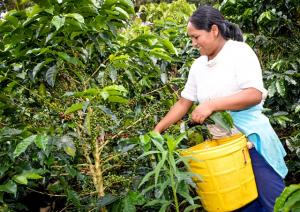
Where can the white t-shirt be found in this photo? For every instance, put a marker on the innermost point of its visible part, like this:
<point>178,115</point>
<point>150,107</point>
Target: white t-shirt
<point>235,68</point>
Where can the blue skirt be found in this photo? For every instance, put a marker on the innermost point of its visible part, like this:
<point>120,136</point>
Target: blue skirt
<point>269,185</point>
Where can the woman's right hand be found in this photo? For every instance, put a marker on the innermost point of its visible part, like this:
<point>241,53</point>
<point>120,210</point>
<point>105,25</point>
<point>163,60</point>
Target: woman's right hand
<point>178,110</point>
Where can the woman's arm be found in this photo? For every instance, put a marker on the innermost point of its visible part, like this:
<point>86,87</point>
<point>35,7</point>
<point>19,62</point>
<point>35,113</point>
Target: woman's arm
<point>179,109</point>
<point>239,101</point>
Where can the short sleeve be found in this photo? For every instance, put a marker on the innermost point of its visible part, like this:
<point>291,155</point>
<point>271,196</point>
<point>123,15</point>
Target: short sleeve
<point>248,70</point>
<point>190,89</point>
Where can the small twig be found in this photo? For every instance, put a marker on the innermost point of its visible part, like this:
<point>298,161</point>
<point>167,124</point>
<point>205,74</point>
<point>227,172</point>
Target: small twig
<point>110,158</point>
<point>153,91</point>
<point>97,69</point>
<point>122,131</point>
<point>114,166</point>
<point>64,208</point>
<point>44,193</point>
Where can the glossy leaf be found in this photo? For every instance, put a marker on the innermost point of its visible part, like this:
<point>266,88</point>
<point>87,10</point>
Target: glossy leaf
<point>51,75</point>
<point>280,86</point>
<point>74,107</point>
<point>41,141</point>
<point>292,201</point>
<point>282,199</point>
<point>23,145</point>
<point>9,187</point>
<point>72,60</point>
<point>68,145</point>
<point>58,22</point>
<point>76,16</point>
<point>222,119</point>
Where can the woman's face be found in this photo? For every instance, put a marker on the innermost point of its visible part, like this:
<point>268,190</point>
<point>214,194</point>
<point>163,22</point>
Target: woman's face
<point>205,41</point>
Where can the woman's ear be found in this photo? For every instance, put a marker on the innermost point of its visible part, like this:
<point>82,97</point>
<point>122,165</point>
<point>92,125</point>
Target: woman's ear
<point>215,30</point>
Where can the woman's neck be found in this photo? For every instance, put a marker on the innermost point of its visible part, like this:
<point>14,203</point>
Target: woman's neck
<point>221,42</point>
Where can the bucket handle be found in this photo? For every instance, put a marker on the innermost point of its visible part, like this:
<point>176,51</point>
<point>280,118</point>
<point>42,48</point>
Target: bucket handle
<point>245,159</point>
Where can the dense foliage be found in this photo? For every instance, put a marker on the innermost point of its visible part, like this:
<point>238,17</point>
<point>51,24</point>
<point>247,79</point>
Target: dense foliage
<point>83,81</point>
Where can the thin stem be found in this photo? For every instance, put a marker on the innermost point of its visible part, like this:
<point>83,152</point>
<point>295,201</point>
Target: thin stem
<point>174,189</point>
<point>51,195</point>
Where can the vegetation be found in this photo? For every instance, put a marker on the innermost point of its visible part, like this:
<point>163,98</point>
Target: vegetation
<point>83,82</point>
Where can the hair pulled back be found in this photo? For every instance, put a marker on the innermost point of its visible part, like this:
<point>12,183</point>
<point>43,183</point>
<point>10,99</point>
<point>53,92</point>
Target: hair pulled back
<point>206,16</point>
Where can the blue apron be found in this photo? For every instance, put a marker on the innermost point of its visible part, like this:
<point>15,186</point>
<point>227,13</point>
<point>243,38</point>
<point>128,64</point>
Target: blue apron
<point>257,128</point>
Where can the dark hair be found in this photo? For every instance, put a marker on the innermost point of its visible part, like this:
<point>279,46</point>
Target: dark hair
<point>205,16</point>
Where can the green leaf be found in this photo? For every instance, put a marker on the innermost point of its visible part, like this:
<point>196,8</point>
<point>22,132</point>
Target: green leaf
<point>291,201</point>
<point>158,202</point>
<point>222,119</point>
<point>41,141</point>
<point>68,145</point>
<point>74,198</point>
<point>136,198</point>
<point>91,92</point>
<point>160,165</point>
<point>148,153</point>
<point>180,138</point>
<point>128,3</point>
<point>280,87</point>
<point>156,136</point>
<point>51,75</point>
<point>31,11</point>
<point>21,179</point>
<point>70,150</point>
<point>8,132</point>
<point>170,142</point>
<point>192,208</point>
<point>183,190</point>
<point>164,77</point>
<point>58,22</point>
<point>113,73</point>
<point>172,163</point>
<point>287,192</point>
<point>158,145</point>
<point>297,108</point>
<point>122,13</point>
<point>264,17</point>
<point>32,175</point>
<point>22,146</point>
<point>49,37</point>
<point>9,187</point>
<point>12,20</point>
<point>37,68</point>
<point>272,89</point>
<point>169,46</point>
<point>76,16</point>
<point>118,99</point>
<point>161,54</point>
<point>72,60</point>
<point>114,93</point>
<point>108,112</point>
<point>74,107</point>
<point>146,178</point>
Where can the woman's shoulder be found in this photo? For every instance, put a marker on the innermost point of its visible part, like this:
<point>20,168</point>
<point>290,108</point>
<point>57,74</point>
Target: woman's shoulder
<point>239,47</point>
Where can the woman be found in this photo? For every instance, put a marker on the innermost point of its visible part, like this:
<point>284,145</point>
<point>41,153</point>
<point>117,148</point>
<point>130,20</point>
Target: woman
<point>228,76</point>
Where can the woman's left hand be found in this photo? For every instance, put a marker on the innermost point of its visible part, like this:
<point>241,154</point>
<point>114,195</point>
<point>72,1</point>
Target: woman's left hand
<point>201,112</point>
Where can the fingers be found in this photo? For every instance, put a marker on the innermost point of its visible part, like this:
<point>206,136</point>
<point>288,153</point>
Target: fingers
<point>198,118</point>
<point>249,145</point>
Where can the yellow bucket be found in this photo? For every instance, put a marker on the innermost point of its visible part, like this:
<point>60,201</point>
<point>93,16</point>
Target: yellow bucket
<point>228,181</point>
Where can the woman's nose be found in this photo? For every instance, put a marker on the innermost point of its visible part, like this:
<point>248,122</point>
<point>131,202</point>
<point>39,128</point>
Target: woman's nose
<point>194,42</point>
